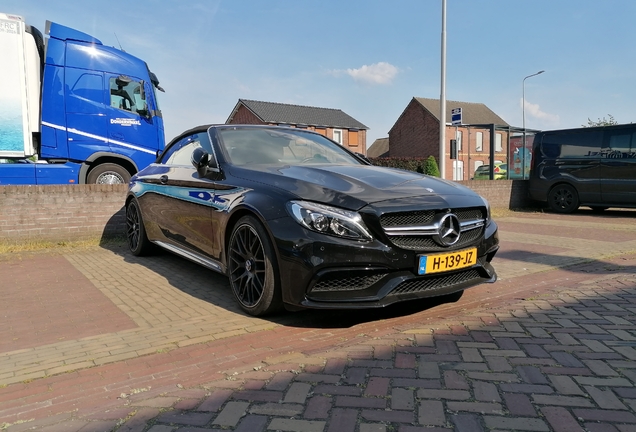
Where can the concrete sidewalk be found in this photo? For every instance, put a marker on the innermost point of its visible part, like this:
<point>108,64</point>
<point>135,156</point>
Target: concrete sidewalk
<point>99,340</point>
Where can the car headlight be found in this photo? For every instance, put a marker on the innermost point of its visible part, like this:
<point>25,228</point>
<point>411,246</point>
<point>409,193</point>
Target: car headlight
<point>329,220</point>
<point>487,204</point>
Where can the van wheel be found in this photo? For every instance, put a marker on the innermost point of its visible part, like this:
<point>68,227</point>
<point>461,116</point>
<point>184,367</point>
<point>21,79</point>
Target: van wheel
<point>563,199</point>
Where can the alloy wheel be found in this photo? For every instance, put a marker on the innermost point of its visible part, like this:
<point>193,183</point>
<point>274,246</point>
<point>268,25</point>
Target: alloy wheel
<point>133,229</point>
<point>247,265</point>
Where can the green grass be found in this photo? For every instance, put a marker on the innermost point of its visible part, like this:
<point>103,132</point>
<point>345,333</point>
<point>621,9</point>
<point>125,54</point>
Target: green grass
<point>32,245</point>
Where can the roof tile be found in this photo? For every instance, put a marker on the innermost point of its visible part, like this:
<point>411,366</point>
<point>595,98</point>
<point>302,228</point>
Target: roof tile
<point>279,113</point>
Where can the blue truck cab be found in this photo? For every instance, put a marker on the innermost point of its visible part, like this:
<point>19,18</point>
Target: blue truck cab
<point>97,117</point>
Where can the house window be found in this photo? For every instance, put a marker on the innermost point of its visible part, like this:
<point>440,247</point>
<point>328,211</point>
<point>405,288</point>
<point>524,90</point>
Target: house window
<point>458,136</point>
<point>337,136</point>
<point>498,143</point>
<point>479,142</point>
<point>458,170</point>
<point>353,138</point>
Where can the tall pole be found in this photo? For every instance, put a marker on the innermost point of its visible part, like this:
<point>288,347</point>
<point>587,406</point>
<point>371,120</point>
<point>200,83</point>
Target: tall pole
<point>523,111</point>
<point>442,100</point>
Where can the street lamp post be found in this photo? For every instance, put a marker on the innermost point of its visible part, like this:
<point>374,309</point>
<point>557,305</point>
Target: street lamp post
<point>523,110</point>
<point>442,99</point>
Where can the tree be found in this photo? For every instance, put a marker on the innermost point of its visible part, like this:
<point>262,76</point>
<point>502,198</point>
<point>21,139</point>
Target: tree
<point>601,122</point>
<point>431,167</point>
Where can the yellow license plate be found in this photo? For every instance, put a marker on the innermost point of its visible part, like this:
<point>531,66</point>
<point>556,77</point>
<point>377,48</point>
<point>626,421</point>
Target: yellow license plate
<point>447,261</point>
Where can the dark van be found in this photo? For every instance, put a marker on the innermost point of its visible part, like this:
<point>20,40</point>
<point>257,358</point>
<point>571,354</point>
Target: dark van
<point>592,166</point>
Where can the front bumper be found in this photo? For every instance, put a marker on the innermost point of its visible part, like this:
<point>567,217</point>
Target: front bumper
<point>324,272</point>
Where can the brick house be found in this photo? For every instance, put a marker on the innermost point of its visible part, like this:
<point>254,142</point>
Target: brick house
<point>333,123</point>
<point>416,134</point>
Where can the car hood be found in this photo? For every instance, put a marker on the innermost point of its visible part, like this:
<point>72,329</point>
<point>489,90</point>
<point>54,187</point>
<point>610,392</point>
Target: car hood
<point>352,186</point>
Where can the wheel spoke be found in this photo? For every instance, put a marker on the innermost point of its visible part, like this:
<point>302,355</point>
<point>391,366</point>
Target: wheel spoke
<point>132,222</point>
<point>242,246</point>
<point>247,266</point>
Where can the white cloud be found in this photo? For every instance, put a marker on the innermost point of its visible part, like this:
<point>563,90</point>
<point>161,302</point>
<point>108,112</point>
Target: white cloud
<point>378,73</point>
<point>533,110</point>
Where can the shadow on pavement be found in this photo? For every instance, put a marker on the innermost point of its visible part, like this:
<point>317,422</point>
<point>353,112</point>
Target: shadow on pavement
<point>208,286</point>
<point>214,288</point>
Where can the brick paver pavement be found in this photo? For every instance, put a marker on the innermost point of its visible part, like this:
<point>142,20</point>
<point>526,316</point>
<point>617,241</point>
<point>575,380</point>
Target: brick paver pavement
<point>101,341</point>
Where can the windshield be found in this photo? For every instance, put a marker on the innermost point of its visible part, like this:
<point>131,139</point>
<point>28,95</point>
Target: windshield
<point>247,146</point>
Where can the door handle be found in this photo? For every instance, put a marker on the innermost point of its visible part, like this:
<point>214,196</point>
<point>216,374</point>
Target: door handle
<point>163,179</point>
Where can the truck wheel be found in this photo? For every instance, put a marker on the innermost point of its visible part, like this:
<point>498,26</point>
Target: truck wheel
<point>563,198</point>
<point>108,173</point>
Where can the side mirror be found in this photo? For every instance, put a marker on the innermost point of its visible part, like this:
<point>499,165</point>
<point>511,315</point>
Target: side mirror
<point>200,160</point>
<point>203,163</point>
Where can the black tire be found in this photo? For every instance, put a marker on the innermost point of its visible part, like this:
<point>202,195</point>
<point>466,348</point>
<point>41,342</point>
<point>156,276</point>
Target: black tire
<point>252,269</point>
<point>138,242</point>
<point>563,199</point>
<point>108,173</point>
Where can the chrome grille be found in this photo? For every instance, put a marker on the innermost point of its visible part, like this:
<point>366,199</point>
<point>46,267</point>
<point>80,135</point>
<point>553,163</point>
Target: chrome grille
<point>416,230</point>
<point>468,214</point>
<point>427,243</point>
<point>430,283</point>
<point>407,218</point>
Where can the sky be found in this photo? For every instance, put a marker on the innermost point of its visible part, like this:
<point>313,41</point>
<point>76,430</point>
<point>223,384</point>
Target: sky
<point>369,58</point>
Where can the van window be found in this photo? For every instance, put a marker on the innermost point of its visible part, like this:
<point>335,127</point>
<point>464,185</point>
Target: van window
<point>620,142</point>
<point>572,145</point>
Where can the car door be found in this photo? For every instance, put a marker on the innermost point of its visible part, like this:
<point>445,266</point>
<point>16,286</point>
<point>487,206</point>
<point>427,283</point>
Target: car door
<point>177,206</point>
<point>618,167</point>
